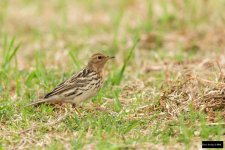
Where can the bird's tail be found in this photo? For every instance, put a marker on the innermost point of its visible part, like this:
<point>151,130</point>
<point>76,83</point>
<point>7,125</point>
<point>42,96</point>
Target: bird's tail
<point>37,102</point>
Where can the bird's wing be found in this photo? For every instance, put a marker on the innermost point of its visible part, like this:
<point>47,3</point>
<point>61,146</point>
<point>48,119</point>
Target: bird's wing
<point>73,84</point>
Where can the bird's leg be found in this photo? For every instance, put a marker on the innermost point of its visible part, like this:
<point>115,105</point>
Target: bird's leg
<point>74,106</point>
<point>97,107</point>
<point>57,105</point>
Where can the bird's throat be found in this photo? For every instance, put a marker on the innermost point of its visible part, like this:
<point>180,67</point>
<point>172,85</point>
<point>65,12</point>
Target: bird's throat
<point>98,69</point>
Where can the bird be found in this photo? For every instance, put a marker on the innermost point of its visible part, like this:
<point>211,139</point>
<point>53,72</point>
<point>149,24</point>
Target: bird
<point>80,86</point>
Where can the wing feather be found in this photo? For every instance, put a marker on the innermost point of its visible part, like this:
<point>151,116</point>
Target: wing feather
<point>79,79</point>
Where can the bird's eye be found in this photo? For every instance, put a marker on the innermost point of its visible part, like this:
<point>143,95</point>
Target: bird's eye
<point>99,57</point>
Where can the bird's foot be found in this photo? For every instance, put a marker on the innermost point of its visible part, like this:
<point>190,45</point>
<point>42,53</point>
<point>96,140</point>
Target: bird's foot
<point>98,107</point>
<point>77,111</point>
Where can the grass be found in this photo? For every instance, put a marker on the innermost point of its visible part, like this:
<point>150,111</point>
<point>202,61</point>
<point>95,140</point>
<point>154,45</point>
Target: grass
<point>164,90</point>
<point>9,52</point>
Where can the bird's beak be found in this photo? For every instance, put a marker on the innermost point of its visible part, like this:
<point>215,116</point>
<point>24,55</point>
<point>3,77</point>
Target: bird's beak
<point>111,57</point>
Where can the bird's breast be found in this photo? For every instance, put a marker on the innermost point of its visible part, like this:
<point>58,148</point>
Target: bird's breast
<point>89,91</point>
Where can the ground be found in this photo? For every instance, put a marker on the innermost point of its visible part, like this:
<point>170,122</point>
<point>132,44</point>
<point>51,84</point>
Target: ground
<point>164,90</point>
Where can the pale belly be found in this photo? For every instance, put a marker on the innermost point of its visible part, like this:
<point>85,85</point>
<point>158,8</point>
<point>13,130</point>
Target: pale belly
<point>84,96</point>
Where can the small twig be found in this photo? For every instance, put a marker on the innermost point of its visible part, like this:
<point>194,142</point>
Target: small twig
<point>218,64</point>
<point>167,73</point>
<point>213,124</point>
<point>208,81</point>
<point>207,124</point>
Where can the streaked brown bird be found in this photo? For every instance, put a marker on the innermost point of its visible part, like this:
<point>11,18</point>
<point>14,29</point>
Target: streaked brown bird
<point>81,86</point>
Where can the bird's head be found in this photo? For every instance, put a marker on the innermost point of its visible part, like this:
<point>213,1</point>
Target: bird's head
<point>97,61</point>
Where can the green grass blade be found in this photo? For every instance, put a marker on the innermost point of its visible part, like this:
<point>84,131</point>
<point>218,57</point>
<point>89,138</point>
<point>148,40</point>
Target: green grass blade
<point>9,51</point>
<point>4,46</point>
<point>74,59</point>
<point>117,104</point>
<point>130,54</point>
<point>13,53</point>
